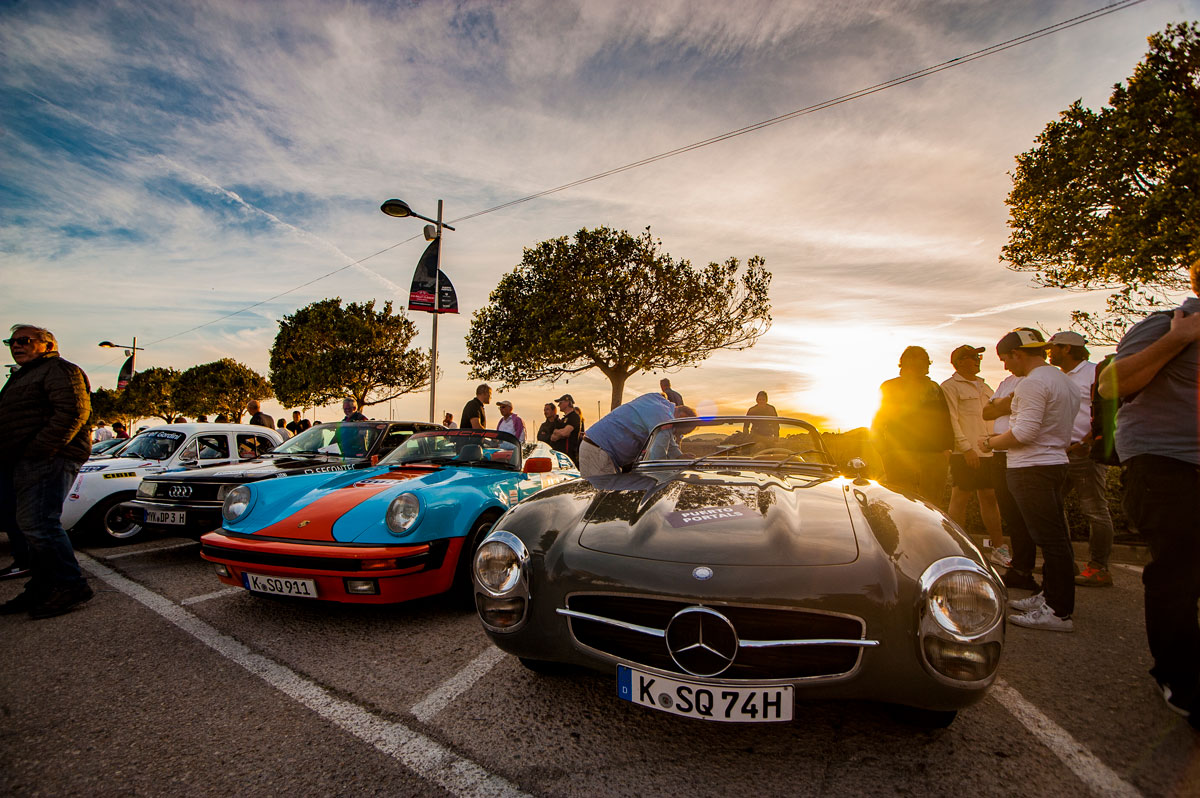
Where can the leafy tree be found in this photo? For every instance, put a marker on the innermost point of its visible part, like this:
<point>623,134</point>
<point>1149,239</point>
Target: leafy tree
<point>615,302</point>
<point>109,406</point>
<point>1111,199</point>
<point>326,351</point>
<point>151,393</point>
<point>223,386</point>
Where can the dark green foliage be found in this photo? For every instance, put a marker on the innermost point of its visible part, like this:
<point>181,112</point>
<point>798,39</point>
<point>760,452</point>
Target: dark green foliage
<point>151,393</point>
<point>223,386</point>
<point>615,302</point>
<point>1111,199</point>
<point>325,352</point>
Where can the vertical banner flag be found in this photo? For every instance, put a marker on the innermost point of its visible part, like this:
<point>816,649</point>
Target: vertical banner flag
<point>126,374</point>
<point>420,294</point>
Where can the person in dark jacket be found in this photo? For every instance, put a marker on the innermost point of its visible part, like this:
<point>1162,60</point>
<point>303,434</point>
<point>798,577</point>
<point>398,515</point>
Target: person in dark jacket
<point>257,416</point>
<point>912,430</point>
<point>44,408</point>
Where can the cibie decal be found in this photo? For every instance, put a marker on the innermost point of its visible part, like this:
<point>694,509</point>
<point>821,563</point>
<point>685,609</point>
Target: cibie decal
<point>707,515</point>
<point>120,475</point>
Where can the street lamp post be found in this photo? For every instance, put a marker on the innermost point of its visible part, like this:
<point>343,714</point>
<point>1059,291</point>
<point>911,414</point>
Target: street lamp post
<point>131,351</point>
<point>400,209</point>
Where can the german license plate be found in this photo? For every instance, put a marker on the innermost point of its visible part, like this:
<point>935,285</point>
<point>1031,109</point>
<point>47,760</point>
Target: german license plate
<point>761,704</point>
<point>280,586</point>
<point>166,516</point>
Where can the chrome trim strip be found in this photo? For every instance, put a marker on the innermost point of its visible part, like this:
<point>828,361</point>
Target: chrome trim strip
<point>649,630</point>
<point>633,627</point>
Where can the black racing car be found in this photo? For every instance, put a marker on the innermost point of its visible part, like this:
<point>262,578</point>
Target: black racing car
<point>188,503</point>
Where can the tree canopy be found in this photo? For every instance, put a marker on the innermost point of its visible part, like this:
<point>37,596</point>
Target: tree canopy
<point>108,406</point>
<point>151,393</point>
<point>1111,199</point>
<point>223,386</point>
<point>615,302</point>
<point>325,351</point>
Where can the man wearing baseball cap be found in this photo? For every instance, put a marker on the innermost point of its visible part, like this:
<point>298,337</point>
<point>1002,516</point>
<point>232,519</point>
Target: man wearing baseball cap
<point>1088,478</point>
<point>571,430</point>
<point>971,469</point>
<point>1043,413</point>
<point>510,422</point>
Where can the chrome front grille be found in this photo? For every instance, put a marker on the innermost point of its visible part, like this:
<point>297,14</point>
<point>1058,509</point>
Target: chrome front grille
<point>774,643</point>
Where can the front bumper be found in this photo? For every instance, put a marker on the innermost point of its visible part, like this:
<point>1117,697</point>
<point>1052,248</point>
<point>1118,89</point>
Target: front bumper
<point>400,573</point>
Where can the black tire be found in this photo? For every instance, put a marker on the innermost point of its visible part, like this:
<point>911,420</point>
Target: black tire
<point>107,529</point>
<point>462,590</point>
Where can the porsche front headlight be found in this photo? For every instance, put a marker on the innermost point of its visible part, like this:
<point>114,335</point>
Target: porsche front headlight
<point>965,603</point>
<point>402,513</point>
<point>237,502</point>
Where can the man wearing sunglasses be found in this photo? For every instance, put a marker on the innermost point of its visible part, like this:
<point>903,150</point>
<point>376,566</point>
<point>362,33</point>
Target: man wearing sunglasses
<point>44,408</point>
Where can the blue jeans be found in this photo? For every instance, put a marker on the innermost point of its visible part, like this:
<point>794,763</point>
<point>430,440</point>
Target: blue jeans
<point>31,500</point>
<point>1038,491</point>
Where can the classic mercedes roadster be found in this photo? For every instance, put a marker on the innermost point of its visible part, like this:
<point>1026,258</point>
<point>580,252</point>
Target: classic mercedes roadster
<point>734,571</point>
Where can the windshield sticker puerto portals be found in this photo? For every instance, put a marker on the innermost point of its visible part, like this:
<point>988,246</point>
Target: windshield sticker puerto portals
<point>706,515</point>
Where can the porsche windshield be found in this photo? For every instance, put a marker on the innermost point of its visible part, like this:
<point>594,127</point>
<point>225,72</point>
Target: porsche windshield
<point>458,447</point>
<point>153,444</point>
<point>352,440</point>
<point>766,442</point>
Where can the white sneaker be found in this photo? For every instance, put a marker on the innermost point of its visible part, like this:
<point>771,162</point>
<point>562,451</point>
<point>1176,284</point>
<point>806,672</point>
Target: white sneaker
<point>1001,556</point>
<point>1043,618</point>
<point>1034,602</point>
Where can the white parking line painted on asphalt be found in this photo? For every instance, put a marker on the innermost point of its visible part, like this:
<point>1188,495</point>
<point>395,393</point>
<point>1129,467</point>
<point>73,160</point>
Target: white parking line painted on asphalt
<point>457,684</point>
<point>229,591</point>
<point>422,755</point>
<point>1137,569</point>
<point>1099,777</point>
<point>150,551</point>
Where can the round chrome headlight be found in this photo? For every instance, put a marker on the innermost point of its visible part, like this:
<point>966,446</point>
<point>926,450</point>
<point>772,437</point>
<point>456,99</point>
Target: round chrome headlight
<point>237,502</point>
<point>497,566</point>
<point>402,513</point>
<point>965,603</point>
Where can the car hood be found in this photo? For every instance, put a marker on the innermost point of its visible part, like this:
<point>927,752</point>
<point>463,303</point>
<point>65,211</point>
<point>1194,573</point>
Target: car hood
<point>264,468</point>
<point>723,518</point>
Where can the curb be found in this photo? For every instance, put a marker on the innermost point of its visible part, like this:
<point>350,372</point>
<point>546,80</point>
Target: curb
<point>1122,553</point>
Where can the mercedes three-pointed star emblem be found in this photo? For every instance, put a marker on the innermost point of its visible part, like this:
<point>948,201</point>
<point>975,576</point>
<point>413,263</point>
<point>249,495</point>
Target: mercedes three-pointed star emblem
<point>702,641</point>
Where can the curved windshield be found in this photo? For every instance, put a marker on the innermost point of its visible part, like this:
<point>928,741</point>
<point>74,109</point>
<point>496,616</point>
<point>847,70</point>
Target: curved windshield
<point>101,447</point>
<point>458,448</point>
<point>153,444</point>
<point>341,439</point>
<point>740,441</point>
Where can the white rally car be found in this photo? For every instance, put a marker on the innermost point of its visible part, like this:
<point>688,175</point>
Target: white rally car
<point>93,504</point>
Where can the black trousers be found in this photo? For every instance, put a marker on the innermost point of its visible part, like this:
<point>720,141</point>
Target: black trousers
<point>1162,500</point>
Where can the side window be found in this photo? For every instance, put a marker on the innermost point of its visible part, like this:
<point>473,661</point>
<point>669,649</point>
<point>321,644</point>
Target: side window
<point>393,439</point>
<point>213,447</point>
<point>251,446</point>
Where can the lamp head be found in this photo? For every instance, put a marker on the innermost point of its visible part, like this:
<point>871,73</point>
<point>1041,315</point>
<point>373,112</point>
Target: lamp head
<point>108,344</point>
<point>397,208</point>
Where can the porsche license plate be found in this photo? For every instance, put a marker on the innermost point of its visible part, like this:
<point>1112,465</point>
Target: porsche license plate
<point>280,586</point>
<point>166,516</point>
<point>763,704</point>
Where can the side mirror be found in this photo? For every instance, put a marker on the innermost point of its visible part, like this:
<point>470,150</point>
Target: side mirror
<point>188,457</point>
<point>538,465</point>
<point>374,459</point>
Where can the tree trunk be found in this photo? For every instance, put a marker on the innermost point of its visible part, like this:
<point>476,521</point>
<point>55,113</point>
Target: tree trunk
<point>618,389</point>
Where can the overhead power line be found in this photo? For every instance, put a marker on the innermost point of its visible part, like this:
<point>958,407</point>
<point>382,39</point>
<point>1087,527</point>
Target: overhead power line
<point>809,109</point>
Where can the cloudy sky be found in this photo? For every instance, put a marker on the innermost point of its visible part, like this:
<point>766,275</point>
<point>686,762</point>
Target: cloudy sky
<point>166,166</point>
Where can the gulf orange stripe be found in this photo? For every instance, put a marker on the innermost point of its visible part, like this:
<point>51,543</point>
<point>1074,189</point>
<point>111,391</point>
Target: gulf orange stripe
<point>323,513</point>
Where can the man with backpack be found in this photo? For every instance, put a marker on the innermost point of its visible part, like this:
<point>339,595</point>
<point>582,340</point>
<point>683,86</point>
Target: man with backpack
<point>1157,373</point>
<point>1088,478</point>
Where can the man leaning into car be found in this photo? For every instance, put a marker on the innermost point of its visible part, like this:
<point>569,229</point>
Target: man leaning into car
<point>44,406</point>
<point>614,442</point>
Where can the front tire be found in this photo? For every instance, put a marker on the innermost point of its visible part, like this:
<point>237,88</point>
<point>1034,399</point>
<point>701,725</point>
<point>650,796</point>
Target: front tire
<point>463,590</point>
<point>111,530</point>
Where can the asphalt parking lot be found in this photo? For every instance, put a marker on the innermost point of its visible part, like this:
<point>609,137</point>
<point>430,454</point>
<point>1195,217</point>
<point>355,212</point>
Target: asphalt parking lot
<point>169,682</point>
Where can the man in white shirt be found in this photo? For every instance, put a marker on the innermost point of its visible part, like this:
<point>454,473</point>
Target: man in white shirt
<point>998,410</point>
<point>970,469</point>
<point>1043,413</point>
<point>1089,479</point>
<point>102,432</point>
<point>510,422</point>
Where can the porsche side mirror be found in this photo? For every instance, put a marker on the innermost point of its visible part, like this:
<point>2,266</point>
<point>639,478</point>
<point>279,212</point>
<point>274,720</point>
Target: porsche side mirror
<point>538,465</point>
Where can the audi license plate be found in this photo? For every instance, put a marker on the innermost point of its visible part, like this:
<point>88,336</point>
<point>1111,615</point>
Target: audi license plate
<point>166,516</point>
<point>280,586</point>
<point>763,704</point>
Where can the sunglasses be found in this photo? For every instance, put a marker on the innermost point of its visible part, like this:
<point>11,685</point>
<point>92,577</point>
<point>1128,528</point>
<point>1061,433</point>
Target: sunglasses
<point>22,340</point>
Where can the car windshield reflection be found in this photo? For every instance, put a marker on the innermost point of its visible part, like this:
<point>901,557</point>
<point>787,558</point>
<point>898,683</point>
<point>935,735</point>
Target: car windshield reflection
<point>487,448</point>
<point>153,445</point>
<point>352,440</point>
<point>741,441</point>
